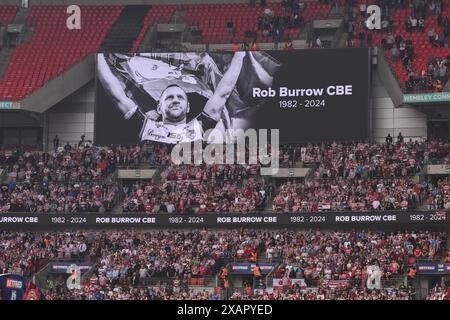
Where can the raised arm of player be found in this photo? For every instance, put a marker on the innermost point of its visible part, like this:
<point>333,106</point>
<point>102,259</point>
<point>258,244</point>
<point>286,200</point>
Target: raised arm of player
<point>216,103</point>
<point>113,86</point>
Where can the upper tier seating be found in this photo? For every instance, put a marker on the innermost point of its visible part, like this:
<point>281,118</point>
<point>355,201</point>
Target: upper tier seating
<point>53,47</point>
<point>212,19</point>
<point>421,44</point>
<point>158,14</point>
<point>7,14</point>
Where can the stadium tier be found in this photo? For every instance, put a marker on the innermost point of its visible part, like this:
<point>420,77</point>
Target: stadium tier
<point>7,14</point>
<point>226,23</point>
<point>168,265</point>
<point>53,49</point>
<point>408,33</point>
<point>358,177</point>
<point>158,14</point>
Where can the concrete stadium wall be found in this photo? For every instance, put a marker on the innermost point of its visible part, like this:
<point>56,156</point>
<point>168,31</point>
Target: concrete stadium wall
<point>19,118</point>
<point>387,119</point>
<point>72,117</point>
<point>386,74</point>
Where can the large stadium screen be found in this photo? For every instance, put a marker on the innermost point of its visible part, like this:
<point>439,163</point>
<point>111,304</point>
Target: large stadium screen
<point>309,95</point>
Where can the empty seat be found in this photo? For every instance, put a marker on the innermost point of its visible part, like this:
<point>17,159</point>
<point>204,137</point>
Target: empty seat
<point>53,47</point>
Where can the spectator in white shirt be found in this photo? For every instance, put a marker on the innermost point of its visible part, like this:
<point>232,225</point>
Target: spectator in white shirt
<point>421,25</point>
<point>170,207</point>
<point>318,42</point>
<point>376,204</point>
<point>384,24</point>
<point>363,9</point>
<point>413,23</point>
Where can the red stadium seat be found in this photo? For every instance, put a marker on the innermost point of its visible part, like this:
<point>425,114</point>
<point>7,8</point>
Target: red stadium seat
<point>54,48</point>
<point>422,47</point>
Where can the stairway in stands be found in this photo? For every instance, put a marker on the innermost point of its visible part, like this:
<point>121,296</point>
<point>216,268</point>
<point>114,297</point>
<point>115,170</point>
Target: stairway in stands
<point>127,27</point>
<point>21,16</point>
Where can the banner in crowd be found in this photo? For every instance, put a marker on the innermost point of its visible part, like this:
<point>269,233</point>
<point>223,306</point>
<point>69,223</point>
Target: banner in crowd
<point>309,95</point>
<point>30,221</point>
<point>433,268</point>
<point>247,267</point>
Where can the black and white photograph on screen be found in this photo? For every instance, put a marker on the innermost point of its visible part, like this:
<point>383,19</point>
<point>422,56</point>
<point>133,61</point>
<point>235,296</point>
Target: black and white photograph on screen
<point>176,97</point>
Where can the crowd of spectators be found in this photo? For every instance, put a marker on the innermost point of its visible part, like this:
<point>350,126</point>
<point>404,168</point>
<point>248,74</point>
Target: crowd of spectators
<point>400,41</point>
<point>65,165</point>
<point>349,195</point>
<point>364,177</point>
<point>162,264</point>
<point>432,78</point>
<point>81,162</point>
<point>91,292</point>
<point>70,178</point>
<point>439,293</point>
<point>364,159</point>
<point>48,197</point>
<point>24,253</point>
<point>200,189</point>
<point>355,176</point>
<point>328,293</point>
<point>317,255</point>
<point>67,180</point>
<point>107,292</point>
<point>273,25</point>
<point>439,195</point>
